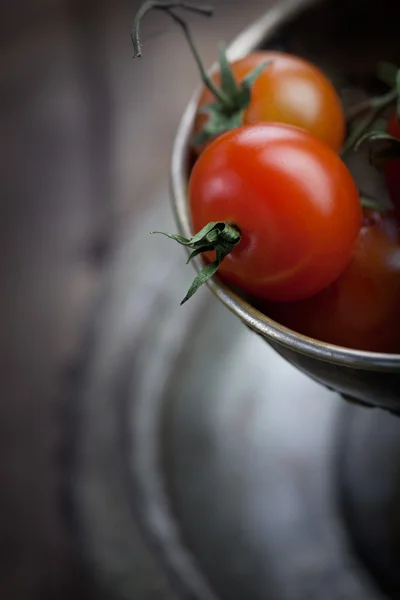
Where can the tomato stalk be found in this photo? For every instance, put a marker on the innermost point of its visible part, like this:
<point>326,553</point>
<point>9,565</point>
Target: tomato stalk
<point>368,202</point>
<point>217,235</point>
<point>167,6</point>
<point>389,149</point>
<point>373,108</point>
<point>231,98</point>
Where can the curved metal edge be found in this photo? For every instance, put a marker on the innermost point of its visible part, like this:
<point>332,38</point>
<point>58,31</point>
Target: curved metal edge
<point>247,41</point>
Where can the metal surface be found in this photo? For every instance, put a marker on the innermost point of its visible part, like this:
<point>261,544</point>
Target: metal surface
<point>373,378</point>
<point>197,434</point>
<point>368,477</point>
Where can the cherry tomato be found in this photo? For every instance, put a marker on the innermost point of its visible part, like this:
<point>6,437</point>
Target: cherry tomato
<point>392,167</point>
<point>361,309</point>
<point>290,90</point>
<point>293,200</point>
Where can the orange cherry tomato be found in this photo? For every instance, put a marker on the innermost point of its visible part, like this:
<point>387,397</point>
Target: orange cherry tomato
<point>293,200</point>
<point>361,309</point>
<point>290,90</point>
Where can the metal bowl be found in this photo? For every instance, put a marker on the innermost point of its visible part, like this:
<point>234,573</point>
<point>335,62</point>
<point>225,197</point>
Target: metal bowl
<point>336,35</point>
<point>224,469</point>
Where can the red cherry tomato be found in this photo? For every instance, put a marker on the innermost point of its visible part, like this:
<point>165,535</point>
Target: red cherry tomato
<point>361,309</point>
<point>290,90</point>
<point>392,167</point>
<point>293,200</point>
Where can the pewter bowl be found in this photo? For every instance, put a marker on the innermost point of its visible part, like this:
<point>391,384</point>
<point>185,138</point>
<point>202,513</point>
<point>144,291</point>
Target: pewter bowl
<point>346,39</point>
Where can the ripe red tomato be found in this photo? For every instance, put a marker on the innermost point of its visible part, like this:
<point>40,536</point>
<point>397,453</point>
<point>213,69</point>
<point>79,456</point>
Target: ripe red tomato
<point>293,200</point>
<point>361,309</point>
<point>392,167</point>
<point>289,90</point>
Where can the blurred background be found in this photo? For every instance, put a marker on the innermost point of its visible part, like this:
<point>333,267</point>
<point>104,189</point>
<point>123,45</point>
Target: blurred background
<point>85,144</point>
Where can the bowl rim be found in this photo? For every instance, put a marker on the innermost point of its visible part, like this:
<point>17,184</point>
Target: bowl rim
<point>249,40</point>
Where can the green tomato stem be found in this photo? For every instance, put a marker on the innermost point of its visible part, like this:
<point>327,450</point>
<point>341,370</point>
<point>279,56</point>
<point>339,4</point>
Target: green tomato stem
<point>216,235</point>
<point>231,98</point>
<point>168,7</point>
<point>374,107</point>
<point>367,202</point>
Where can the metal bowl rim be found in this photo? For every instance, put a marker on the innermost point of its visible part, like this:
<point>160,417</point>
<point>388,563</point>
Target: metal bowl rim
<point>249,40</point>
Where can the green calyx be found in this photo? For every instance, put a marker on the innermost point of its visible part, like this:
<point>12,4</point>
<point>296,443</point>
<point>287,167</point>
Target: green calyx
<point>226,112</point>
<point>231,98</point>
<point>365,116</point>
<point>217,235</point>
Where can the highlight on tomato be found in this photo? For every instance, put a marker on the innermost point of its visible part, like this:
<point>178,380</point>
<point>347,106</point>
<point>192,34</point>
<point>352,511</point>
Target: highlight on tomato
<point>360,309</point>
<point>277,212</point>
<point>264,86</point>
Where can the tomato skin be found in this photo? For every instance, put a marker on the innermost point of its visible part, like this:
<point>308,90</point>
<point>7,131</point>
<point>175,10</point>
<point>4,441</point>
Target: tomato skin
<point>392,167</point>
<point>361,309</point>
<point>290,90</point>
<point>294,201</point>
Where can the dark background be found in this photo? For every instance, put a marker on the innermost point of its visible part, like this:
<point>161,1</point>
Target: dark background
<point>85,141</point>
